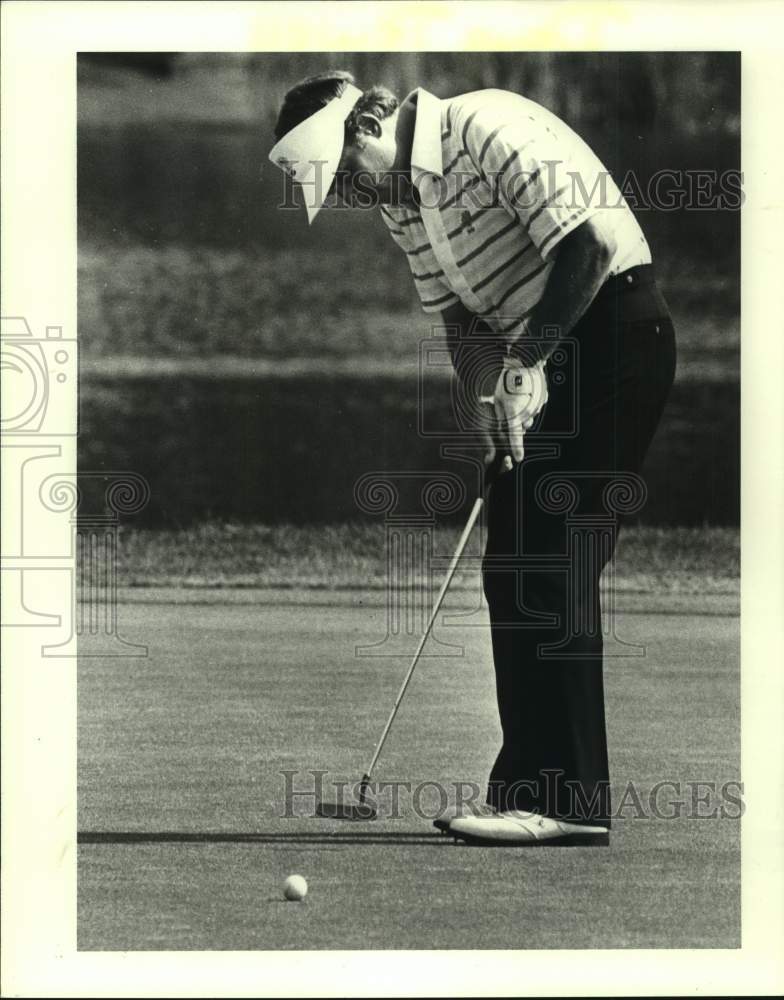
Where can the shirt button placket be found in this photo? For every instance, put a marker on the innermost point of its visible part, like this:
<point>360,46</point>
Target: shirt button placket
<point>434,226</point>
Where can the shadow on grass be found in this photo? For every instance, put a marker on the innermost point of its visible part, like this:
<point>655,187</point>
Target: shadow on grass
<point>321,837</point>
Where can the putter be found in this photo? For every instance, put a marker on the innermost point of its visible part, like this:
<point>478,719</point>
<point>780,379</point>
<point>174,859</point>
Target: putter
<point>363,810</point>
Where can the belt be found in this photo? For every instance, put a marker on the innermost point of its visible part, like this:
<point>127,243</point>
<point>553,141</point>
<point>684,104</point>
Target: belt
<point>641,276</point>
<point>619,298</point>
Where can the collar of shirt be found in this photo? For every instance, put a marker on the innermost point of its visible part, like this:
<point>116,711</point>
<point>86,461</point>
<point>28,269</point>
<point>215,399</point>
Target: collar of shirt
<point>426,151</point>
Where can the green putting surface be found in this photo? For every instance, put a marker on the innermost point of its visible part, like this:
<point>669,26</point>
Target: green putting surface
<point>184,841</point>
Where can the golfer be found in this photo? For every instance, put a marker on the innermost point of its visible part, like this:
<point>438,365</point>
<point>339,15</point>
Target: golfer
<point>517,236</point>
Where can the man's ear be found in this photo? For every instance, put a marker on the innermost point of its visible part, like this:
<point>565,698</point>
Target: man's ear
<point>369,124</point>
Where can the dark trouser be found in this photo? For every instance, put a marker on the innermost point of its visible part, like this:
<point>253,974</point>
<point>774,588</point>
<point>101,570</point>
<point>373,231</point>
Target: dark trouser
<point>548,543</point>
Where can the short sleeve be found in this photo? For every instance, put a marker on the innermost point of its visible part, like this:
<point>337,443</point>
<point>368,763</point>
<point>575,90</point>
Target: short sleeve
<point>542,174</point>
<point>431,286</point>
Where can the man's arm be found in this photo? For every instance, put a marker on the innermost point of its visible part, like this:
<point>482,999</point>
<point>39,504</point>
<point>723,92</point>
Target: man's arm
<point>579,271</point>
<point>477,352</point>
<point>477,358</point>
<point>458,321</point>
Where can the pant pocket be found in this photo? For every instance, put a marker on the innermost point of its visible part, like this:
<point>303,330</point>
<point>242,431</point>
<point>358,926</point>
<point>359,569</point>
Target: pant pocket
<point>652,344</point>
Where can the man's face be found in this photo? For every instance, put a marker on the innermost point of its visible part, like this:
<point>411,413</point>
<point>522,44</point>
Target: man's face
<point>367,163</point>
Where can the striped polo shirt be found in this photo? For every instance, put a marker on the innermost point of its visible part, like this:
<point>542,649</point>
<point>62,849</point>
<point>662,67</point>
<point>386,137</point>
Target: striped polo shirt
<point>500,182</point>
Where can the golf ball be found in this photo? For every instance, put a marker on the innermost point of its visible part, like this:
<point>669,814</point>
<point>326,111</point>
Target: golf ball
<point>295,887</point>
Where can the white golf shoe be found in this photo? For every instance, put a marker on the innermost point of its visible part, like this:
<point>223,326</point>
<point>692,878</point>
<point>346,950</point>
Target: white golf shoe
<point>472,809</point>
<point>524,829</point>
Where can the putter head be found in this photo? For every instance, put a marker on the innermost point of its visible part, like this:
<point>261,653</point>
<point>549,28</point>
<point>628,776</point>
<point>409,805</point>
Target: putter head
<point>351,811</point>
<point>361,810</point>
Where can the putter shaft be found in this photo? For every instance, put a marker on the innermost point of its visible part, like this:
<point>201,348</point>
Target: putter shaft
<point>475,510</point>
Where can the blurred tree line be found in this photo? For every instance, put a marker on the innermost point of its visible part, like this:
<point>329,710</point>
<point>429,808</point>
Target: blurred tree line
<point>685,91</point>
<point>689,92</point>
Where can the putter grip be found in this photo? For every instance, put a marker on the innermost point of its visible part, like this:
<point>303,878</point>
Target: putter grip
<point>497,467</point>
<point>494,470</point>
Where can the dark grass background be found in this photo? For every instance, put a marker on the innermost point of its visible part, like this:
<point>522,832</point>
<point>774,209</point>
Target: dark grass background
<point>279,450</point>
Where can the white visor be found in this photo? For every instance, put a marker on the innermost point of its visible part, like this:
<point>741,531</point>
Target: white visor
<point>310,153</point>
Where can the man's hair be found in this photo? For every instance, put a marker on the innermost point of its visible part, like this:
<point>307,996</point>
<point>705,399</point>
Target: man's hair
<point>314,93</point>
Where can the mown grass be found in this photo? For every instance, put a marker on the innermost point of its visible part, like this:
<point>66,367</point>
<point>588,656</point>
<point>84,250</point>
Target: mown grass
<point>200,302</point>
<point>203,302</point>
<point>650,560</point>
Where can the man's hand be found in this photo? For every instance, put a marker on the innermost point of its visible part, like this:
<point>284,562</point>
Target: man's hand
<point>487,426</point>
<point>496,456</point>
<point>519,395</point>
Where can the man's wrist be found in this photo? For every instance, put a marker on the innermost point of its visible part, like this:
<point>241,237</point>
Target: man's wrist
<point>527,350</point>
<point>530,346</point>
